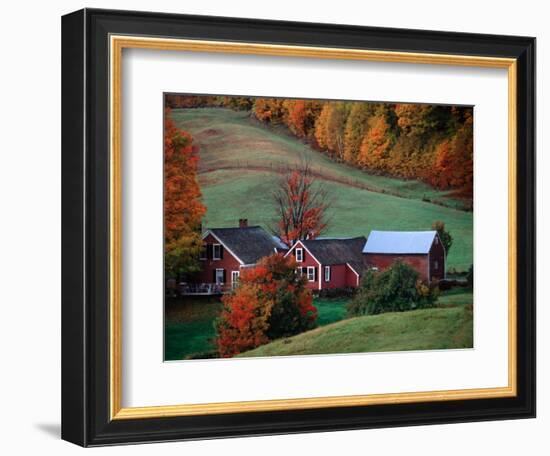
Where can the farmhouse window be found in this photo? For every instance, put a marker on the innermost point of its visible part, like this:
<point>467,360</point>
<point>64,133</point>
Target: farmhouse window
<point>299,255</point>
<point>219,276</point>
<point>235,278</point>
<point>436,265</point>
<point>311,273</point>
<point>327,273</point>
<point>217,252</point>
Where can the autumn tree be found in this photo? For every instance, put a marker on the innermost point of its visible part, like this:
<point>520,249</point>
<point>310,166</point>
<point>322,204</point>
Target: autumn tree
<point>454,161</point>
<point>296,116</point>
<point>269,110</point>
<point>300,116</point>
<point>330,127</point>
<point>432,143</point>
<point>237,103</point>
<point>271,301</point>
<point>444,235</point>
<point>301,205</point>
<point>321,127</point>
<point>424,120</point>
<point>376,145</point>
<point>336,125</point>
<point>183,209</point>
<point>356,127</point>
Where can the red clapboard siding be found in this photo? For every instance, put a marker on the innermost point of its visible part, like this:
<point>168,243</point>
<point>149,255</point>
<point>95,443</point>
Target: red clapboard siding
<point>308,261</point>
<point>337,277</point>
<point>383,261</point>
<point>228,263</point>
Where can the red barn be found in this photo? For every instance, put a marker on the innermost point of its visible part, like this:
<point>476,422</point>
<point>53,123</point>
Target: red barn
<point>226,251</point>
<point>422,250</point>
<point>330,263</point>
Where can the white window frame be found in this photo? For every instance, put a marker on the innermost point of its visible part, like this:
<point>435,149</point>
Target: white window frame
<point>235,275</point>
<point>328,272</point>
<point>221,282</point>
<point>312,270</point>
<point>299,271</point>
<point>301,251</point>
<point>214,257</point>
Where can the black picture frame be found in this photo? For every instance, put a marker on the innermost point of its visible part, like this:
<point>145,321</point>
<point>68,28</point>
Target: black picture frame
<point>85,224</point>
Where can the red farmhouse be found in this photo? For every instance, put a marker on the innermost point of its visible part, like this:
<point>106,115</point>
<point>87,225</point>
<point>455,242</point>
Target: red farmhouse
<point>327,263</point>
<point>330,263</point>
<point>226,251</point>
<point>422,250</point>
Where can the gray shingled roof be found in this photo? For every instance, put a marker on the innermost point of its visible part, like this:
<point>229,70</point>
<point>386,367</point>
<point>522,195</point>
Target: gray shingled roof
<point>393,242</point>
<point>249,243</point>
<point>338,251</point>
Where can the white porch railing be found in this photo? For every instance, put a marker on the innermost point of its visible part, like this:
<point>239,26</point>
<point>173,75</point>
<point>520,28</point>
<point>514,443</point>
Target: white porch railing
<point>186,289</point>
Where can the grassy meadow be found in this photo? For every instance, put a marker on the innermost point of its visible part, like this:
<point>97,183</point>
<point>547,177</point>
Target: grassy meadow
<point>189,328</point>
<point>240,162</point>
<point>426,329</point>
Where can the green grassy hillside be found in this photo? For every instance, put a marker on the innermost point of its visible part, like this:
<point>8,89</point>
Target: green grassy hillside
<point>189,324</point>
<point>427,329</point>
<point>241,161</point>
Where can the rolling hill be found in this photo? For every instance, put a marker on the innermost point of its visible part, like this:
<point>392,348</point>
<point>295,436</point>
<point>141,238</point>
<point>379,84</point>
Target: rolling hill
<point>427,329</point>
<point>241,161</point>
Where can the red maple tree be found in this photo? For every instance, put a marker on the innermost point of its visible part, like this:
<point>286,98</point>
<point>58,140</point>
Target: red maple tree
<point>271,301</point>
<point>183,208</point>
<point>301,205</point>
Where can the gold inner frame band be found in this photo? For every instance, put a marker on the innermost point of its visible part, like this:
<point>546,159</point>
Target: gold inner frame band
<point>117,44</point>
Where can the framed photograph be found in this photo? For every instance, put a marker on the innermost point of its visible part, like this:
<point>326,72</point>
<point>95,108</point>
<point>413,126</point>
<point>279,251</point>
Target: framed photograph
<point>278,227</point>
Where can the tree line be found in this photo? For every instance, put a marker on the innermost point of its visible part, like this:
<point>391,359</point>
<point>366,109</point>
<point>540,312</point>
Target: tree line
<point>431,143</point>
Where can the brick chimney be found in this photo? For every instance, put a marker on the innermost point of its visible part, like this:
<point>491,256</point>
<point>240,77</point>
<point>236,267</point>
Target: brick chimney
<point>243,223</point>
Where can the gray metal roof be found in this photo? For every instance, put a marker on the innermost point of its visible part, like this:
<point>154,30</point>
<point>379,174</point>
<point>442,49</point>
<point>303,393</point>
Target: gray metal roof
<point>249,243</point>
<point>280,244</point>
<point>412,242</point>
<point>336,251</point>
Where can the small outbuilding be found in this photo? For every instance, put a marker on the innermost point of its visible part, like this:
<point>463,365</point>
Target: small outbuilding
<point>422,250</point>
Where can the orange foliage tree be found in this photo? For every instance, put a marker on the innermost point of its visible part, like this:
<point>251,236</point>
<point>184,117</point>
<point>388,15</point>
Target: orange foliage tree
<point>269,110</point>
<point>321,127</point>
<point>454,161</point>
<point>356,128</point>
<point>376,145</point>
<point>330,127</point>
<point>433,143</point>
<point>300,116</point>
<point>183,209</point>
<point>271,301</point>
<point>301,206</point>
<point>296,116</point>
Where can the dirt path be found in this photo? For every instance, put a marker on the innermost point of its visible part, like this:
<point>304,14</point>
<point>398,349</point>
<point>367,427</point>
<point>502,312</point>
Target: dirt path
<point>281,169</point>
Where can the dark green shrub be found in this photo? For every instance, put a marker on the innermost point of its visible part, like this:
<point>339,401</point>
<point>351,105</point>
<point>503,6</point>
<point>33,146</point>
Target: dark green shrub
<point>346,292</point>
<point>397,289</point>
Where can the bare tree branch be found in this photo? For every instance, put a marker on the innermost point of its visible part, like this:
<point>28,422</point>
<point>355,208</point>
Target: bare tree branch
<point>301,205</point>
